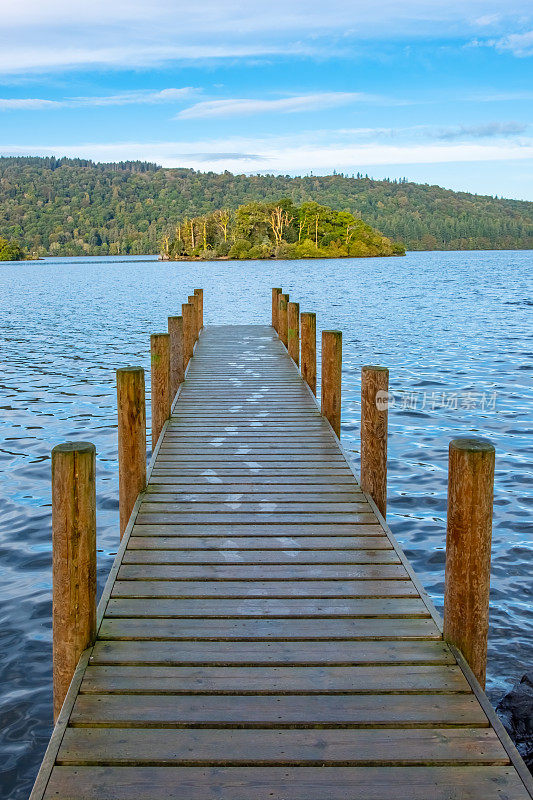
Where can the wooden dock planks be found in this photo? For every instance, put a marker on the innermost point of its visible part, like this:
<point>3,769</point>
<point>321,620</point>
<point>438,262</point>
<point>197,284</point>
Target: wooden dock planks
<point>262,635</point>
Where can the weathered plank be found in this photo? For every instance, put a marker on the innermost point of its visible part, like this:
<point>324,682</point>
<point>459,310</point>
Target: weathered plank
<point>260,557</point>
<point>343,746</point>
<point>369,711</point>
<point>287,588</point>
<point>253,543</point>
<point>273,680</point>
<point>273,653</point>
<point>293,783</point>
<point>266,607</point>
<point>250,572</point>
<point>272,628</point>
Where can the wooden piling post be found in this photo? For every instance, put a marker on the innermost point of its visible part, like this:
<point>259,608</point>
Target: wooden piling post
<point>283,322</point>
<point>374,424</point>
<point>131,439</point>
<point>200,294</point>
<point>308,346</point>
<point>193,300</point>
<point>293,332</point>
<point>275,302</point>
<point>74,560</point>
<point>468,544</point>
<point>160,357</point>
<point>187,310</point>
<point>175,330</point>
<point>331,378</point>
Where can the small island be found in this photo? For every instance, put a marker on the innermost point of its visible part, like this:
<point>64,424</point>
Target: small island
<point>276,230</point>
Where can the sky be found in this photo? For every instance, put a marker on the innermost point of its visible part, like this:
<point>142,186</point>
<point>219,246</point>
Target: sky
<point>437,91</point>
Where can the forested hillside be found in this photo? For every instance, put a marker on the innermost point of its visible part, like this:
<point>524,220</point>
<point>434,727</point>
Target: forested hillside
<point>74,207</point>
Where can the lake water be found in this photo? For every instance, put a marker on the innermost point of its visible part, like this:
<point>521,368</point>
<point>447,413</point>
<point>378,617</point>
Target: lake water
<point>453,329</point>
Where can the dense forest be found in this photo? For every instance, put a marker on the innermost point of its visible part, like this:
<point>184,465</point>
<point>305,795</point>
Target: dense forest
<point>10,251</point>
<point>277,230</point>
<point>75,207</point>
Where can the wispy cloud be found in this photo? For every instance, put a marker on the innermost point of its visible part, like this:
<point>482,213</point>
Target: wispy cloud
<point>27,104</point>
<point>66,34</point>
<point>488,130</point>
<point>233,107</point>
<point>135,97</point>
<point>319,152</point>
<point>503,97</point>
<point>518,44</point>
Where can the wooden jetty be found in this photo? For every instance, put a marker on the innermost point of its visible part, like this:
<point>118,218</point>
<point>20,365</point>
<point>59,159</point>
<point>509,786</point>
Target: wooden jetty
<point>261,635</point>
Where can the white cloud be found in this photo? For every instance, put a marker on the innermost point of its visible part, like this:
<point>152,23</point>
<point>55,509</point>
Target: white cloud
<point>139,97</point>
<point>27,103</point>
<point>285,105</point>
<point>483,131</point>
<point>519,44</point>
<point>62,34</point>
<point>294,155</point>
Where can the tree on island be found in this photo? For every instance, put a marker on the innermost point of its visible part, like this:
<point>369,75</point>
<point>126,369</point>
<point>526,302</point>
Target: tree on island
<point>10,251</point>
<point>276,230</point>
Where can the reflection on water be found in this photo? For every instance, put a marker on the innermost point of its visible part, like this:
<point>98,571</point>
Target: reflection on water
<point>452,327</point>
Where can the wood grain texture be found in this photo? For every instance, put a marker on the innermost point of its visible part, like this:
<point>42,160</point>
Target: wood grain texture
<point>342,746</point>
<point>200,295</point>
<point>283,322</point>
<point>293,332</point>
<point>374,416</point>
<point>331,378</point>
<point>308,348</point>
<point>160,386</point>
<point>275,300</point>
<point>131,411</point>
<point>175,330</point>
<point>468,546</point>
<point>293,783</point>
<point>74,560</point>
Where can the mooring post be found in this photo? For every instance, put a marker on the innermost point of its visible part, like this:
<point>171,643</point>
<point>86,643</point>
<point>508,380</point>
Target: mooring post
<point>283,322</point>
<point>131,410</point>
<point>160,357</point>
<point>193,300</point>
<point>308,346</point>
<point>293,331</point>
<point>187,310</point>
<point>73,559</point>
<point>374,424</point>
<point>275,303</point>
<point>200,295</point>
<point>175,330</point>
<point>331,378</point>
<point>468,544</point>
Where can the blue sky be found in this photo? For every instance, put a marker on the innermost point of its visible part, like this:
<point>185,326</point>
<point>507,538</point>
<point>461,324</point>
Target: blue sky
<point>439,92</point>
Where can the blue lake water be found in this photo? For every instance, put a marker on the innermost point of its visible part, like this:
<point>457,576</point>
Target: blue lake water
<point>453,328</point>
